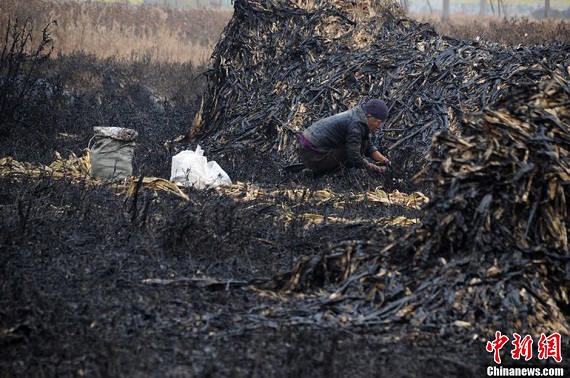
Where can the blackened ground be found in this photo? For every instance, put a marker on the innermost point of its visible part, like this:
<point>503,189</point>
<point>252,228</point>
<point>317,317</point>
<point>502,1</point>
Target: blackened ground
<point>96,284</point>
<point>75,301</point>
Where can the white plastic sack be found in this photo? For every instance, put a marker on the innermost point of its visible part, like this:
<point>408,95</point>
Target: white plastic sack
<point>191,168</point>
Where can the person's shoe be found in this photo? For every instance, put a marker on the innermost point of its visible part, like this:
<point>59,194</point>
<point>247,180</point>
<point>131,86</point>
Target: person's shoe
<point>294,168</point>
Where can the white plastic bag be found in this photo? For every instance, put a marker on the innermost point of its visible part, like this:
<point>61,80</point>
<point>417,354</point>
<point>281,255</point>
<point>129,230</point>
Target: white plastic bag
<point>191,168</point>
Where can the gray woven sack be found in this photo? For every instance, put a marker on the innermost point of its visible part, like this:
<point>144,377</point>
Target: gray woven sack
<point>112,150</point>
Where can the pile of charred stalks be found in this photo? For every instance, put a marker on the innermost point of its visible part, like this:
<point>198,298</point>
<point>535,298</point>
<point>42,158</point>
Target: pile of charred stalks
<point>486,125</point>
<point>491,250</point>
<point>279,66</point>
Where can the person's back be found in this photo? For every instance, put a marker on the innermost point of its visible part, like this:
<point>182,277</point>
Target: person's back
<point>332,131</point>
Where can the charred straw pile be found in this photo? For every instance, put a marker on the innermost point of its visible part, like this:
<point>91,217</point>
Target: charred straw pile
<point>280,65</point>
<point>491,250</point>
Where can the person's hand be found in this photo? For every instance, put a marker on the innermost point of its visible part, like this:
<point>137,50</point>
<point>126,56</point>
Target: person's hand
<point>376,168</point>
<point>388,163</point>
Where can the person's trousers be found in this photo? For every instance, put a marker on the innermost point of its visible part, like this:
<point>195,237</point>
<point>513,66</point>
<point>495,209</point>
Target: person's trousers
<point>322,162</point>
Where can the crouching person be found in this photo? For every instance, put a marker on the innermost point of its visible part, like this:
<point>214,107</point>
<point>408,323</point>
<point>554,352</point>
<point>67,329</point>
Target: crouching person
<point>343,140</point>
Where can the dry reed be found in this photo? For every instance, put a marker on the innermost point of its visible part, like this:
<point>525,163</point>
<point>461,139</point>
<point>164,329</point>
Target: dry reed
<point>509,31</point>
<point>125,32</point>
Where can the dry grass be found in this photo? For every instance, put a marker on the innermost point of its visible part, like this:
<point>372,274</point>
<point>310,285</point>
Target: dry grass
<point>125,32</point>
<point>512,31</point>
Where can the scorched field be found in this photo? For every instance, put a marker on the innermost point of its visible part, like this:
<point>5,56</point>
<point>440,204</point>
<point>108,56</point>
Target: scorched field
<point>420,272</point>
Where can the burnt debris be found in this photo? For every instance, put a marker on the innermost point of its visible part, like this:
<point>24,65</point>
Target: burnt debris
<point>486,125</point>
<point>280,66</point>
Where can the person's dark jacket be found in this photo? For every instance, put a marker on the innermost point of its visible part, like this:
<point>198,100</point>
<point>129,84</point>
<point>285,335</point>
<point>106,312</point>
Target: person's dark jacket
<point>349,129</point>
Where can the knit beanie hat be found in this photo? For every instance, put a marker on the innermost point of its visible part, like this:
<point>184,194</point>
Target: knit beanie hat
<point>376,108</point>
